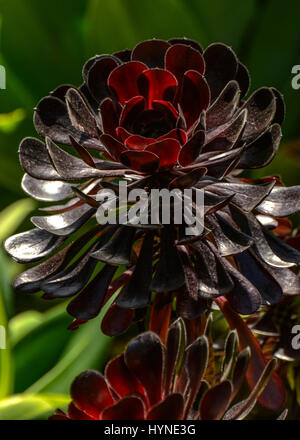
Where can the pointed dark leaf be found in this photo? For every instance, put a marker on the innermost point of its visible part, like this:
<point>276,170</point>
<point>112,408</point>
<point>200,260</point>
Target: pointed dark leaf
<point>83,153</point>
<point>228,135</point>
<point>192,149</point>
<point>30,280</point>
<point>213,278</point>
<point>274,394</point>
<point>246,196</point>
<point>77,169</point>
<point>191,280</point>
<point>88,303</point>
<point>196,361</point>
<point>224,107</point>
<point>267,286</point>
<point>282,249</point>
<point>244,297</point>
<point>280,108</point>
<point>242,409</point>
<point>169,274</point>
<point>160,315</point>
<point>230,240</point>
<point>261,152</point>
<point>252,227</point>
<point>137,292</point>
<point>240,370</point>
<point>51,120</point>
<point>281,202</point>
<point>231,348</point>
<point>221,165</point>
<point>189,308</point>
<point>80,114</point>
<point>173,344</point>
<point>70,281</point>
<point>261,108</point>
<point>118,249</point>
<point>215,401</point>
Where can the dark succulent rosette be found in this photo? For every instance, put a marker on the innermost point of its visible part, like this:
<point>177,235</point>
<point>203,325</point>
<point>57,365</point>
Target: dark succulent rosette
<point>153,381</point>
<point>165,115</point>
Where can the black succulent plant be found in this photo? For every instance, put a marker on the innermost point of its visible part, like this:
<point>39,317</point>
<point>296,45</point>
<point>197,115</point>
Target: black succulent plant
<point>165,115</point>
<point>163,384</point>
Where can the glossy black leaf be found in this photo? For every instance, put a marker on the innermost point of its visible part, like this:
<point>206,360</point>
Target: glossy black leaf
<point>66,223</point>
<point>30,280</point>
<point>46,190</point>
<point>144,356</point>
<point>230,240</point>
<point>245,195</point>
<point>224,107</point>
<point>35,160</point>
<point>136,294</point>
<point>213,277</point>
<point>261,152</point>
<point>70,281</point>
<point>281,202</point>
<point>261,108</point>
<point>88,303</point>
<point>80,114</point>
<point>32,246</point>
<point>267,286</point>
<point>169,273</point>
<point>118,249</point>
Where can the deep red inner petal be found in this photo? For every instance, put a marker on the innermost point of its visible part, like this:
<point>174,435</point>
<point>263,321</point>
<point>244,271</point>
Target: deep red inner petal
<point>167,151</point>
<point>157,84</point>
<point>123,80</point>
<point>138,142</point>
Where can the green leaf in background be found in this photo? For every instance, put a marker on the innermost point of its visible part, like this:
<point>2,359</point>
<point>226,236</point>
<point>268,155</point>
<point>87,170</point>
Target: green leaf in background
<point>31,407</point>
<point>86,349</point>
<point>14,215</point>
<point>6,376</point>
<point>10,219</point>
<point>40,348</point>
<point>218,20</point>
<point>47,356</point>
<point>43,44</point>
<point>274,42</point>
<point>10,121</point>
<point>118,24</point>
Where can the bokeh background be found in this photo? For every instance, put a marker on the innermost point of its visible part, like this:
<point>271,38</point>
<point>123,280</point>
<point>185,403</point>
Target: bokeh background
<point>44,44</point>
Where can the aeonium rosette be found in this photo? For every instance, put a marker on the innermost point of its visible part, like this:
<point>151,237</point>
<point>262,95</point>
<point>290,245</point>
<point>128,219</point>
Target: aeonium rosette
<point>178,380</point>
<point>165,115</point>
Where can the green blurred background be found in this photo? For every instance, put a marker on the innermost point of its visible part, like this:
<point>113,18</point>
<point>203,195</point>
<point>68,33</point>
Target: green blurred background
<point>44,44</point>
